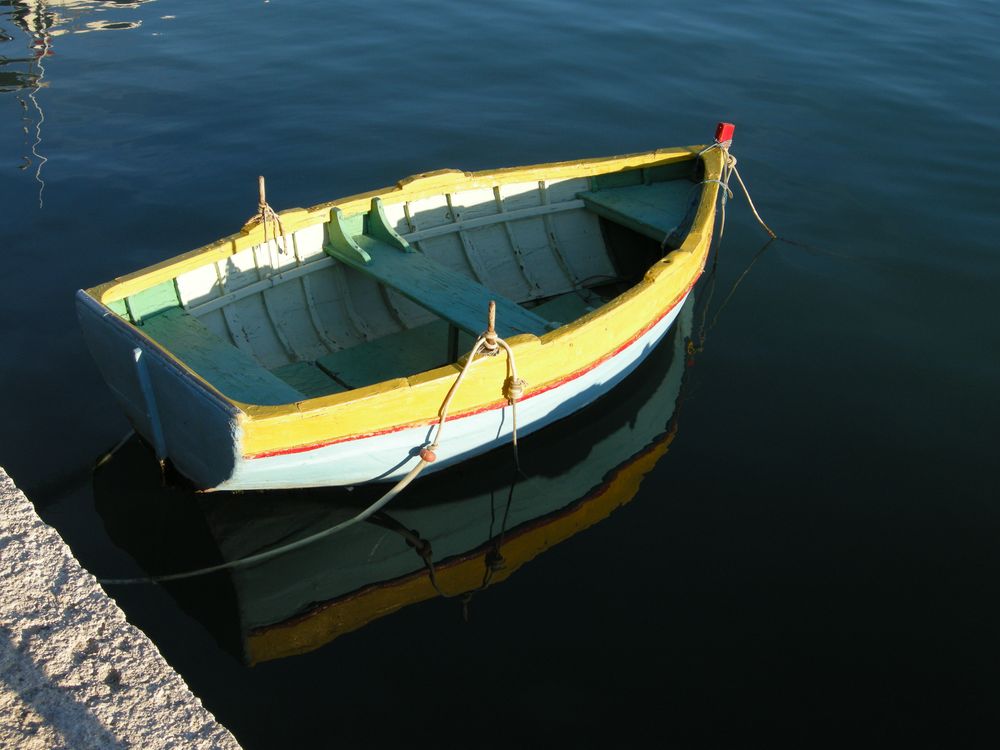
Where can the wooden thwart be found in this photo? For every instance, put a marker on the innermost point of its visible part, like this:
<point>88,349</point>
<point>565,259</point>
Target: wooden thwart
<point>656,210</point>
<point>232,371</point>
<point>385,256</point>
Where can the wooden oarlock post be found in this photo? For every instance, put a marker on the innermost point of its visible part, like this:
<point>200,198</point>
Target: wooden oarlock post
<point>490,346</point>
<point>265,214</point>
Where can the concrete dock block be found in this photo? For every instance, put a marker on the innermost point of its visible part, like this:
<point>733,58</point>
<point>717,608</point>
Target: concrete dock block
<point>73,672</point>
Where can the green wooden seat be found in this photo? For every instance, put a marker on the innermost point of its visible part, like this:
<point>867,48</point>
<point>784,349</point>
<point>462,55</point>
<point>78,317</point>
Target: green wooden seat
<point>385,256</point>
<point>656,210</point>
<point>231,371</point>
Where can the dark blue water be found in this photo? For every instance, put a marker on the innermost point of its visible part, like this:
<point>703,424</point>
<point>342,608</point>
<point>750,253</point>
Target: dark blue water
<point>816,555</point>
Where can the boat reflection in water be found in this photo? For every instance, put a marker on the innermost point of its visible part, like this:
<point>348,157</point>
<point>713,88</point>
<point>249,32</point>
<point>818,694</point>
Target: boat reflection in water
<point>452,534</point>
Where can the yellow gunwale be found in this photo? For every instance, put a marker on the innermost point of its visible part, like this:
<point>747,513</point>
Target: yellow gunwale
<point>402,402</point>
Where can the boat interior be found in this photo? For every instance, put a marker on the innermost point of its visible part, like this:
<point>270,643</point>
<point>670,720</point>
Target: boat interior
<point>404,287</point>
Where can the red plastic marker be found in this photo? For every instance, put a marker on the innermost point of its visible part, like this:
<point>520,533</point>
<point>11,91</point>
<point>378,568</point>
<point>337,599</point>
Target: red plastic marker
<point>724,132</point>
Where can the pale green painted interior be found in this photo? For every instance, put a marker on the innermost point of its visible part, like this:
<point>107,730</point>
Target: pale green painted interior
<point>376,225</point>
<point>152,301</point>
<point>655,210</point>
<point>436,287</point>
<point>238,376</point>
<point>423,348</point>
<point>308,379</point>
<point>652,202</point>
<point>233,372</point>
<point>394,356</point>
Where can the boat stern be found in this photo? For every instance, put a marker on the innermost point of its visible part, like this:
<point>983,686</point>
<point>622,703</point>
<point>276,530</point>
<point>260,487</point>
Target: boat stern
<point>173,410</point>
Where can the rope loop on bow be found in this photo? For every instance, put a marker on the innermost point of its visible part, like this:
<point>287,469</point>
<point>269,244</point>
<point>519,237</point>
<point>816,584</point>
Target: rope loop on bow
<point>729,171</point>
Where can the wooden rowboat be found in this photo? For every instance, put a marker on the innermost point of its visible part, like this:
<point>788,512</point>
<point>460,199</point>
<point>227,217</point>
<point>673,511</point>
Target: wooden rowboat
<point>323,357</point>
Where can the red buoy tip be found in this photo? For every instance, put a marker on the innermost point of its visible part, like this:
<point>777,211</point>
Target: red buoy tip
<point>724,132</point>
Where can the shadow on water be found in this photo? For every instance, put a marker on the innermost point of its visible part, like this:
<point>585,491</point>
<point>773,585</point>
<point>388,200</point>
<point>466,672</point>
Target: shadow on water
<point>452,534</point>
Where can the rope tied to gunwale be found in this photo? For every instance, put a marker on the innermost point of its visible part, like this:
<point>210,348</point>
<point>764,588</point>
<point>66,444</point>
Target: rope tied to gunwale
<point>488,344</point>
<point>729,170</point>
<point>427,454</point>
<point>265,214</point>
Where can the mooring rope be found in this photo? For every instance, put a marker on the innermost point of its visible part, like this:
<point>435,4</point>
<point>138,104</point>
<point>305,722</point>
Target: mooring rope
<point>729,170</point>
<point>488,344</point>
<point>108,455</point>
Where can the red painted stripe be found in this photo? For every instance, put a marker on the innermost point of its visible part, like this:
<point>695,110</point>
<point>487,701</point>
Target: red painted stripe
<point>492,406</point>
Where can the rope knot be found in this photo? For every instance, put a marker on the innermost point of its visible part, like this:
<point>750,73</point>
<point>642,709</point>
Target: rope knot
<point>490,346</point>
<point>513,388</point>
<point>423,548</point>
<point>729,170</point>
<point>428,455</point>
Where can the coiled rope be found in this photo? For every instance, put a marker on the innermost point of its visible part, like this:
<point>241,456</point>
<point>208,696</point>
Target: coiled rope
<point>488,344</point>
